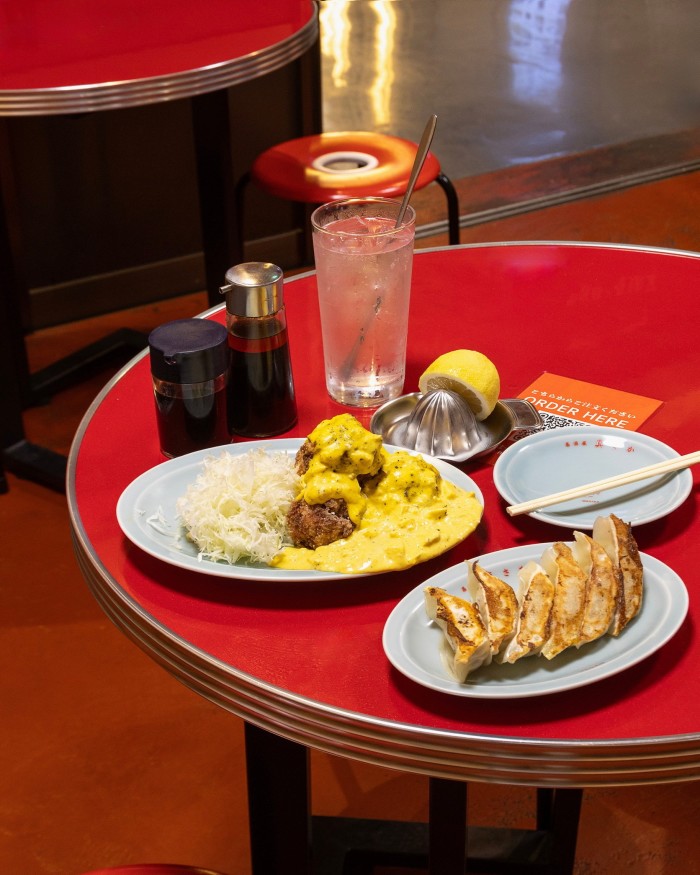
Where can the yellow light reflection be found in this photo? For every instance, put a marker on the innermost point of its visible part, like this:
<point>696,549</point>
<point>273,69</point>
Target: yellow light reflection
<point>384,39</point>
<point>335,30</point>
<point>338,53</point>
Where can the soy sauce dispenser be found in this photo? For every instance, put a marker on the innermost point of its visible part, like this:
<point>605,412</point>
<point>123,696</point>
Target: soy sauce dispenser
<point>189,369</point>
<point>260,387</point>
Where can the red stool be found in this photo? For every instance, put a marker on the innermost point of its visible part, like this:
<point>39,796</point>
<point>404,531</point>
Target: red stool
<point>153,869</point>
<point>334,166</point>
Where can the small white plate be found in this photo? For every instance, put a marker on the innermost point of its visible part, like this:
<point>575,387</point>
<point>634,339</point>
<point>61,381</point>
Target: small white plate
<point>146,512</point>
<point>413,643</point>
<point>564,458</point>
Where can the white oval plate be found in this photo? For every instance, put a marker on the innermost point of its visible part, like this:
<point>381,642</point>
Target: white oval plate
<point>564,458</point>
<point>146,512</point>
<point>413,643</point>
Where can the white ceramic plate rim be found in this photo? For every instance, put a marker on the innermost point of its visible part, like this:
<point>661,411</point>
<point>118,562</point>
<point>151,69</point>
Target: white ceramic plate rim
<point>146,513</point>
<point>631,503</point>
<point>412,642</point>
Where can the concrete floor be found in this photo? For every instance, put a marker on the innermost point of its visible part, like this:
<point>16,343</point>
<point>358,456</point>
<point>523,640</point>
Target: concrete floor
<point>511,81</point>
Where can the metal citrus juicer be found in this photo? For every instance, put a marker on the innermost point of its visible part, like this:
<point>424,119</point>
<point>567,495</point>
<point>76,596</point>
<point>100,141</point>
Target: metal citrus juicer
<point>441,424</point>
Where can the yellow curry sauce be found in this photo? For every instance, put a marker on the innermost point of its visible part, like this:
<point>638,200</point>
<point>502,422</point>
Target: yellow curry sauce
<point>403,510</point>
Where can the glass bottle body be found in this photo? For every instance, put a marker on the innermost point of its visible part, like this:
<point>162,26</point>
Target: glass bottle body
<point>191,416</point>
<point>261,399</point>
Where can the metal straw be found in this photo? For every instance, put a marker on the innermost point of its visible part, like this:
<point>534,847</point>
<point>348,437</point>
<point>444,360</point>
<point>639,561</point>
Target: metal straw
<point>423,147</point>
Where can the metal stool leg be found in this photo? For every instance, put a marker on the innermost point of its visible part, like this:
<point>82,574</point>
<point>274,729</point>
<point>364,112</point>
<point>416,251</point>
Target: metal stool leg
<point>452,207</point>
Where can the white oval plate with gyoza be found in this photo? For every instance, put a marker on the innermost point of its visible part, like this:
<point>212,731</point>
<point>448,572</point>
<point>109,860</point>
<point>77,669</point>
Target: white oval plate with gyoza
<point>413,643</point>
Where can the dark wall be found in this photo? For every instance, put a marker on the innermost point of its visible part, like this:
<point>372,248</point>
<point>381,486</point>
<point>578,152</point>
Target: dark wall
<point>107,202</point>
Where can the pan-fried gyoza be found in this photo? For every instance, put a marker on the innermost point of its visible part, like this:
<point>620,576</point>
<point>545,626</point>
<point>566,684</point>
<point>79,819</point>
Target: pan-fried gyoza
<point>576,594</point>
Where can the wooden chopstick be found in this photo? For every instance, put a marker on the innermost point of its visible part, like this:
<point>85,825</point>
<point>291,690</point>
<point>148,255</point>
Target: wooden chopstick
<point>657,469</point>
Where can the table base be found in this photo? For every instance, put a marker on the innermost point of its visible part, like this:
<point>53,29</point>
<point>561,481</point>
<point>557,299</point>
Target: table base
<point>119,346</point>
<point>18,455</point>
<point>286,839</point>
<point>32,462</point>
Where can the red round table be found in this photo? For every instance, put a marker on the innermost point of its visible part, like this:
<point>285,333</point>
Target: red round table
<point>74,56</point>
<point>621,317</point>
<point>79,56</point>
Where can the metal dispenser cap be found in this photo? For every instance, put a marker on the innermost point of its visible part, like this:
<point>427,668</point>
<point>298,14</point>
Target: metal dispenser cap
<point>253,288</point>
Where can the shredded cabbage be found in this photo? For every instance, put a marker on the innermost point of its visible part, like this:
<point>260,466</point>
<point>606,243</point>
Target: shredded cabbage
<point>237,506</point>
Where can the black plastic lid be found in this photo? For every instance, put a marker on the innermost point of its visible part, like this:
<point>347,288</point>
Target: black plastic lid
<point>188,350</point>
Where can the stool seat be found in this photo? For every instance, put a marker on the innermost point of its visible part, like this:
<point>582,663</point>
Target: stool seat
<point>335,166</point>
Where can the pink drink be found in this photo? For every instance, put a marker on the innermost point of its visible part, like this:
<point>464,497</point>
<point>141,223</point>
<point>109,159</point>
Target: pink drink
<point>363,265</point>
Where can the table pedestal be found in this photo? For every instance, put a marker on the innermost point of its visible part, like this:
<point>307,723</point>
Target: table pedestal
<point>287,840</point>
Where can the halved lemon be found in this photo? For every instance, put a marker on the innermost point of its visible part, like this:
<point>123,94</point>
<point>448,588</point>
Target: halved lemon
<point>470,374</point>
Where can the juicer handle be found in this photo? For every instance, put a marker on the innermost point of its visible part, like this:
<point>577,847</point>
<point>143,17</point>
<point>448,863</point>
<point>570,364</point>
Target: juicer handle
<point>523,414</point>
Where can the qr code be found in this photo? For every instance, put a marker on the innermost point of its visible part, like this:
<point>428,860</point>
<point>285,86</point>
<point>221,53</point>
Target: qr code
<point>548,421</point>
<point>551,421</point>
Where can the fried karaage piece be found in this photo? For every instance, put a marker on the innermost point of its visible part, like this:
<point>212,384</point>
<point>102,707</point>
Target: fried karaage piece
<point>313,525</point>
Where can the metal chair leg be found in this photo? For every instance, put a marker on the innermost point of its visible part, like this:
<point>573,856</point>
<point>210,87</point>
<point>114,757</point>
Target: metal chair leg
<point>452,207</point>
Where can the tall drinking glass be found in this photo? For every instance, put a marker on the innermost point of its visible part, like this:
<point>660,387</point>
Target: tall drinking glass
<point>363,267</point>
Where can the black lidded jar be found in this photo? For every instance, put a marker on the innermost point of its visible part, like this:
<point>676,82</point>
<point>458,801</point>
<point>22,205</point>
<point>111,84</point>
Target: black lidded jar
<point>260,391</point>
<point>189,368</point>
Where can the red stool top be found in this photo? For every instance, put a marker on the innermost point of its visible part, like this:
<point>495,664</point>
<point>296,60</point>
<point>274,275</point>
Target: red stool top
<point>333,166</point>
